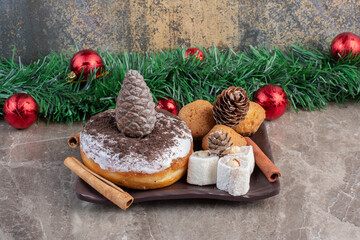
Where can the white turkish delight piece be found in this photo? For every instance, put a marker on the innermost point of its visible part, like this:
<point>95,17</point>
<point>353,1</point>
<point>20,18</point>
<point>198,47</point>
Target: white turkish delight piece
<point>202,168</point>
<point>234,171</point>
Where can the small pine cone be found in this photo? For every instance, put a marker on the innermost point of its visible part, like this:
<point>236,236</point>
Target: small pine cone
<point>231,106</point>
<point>219,143</point>
<point>135,107</point>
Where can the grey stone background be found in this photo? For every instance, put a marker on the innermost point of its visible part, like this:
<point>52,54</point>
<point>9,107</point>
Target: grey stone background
<point>37,27</point>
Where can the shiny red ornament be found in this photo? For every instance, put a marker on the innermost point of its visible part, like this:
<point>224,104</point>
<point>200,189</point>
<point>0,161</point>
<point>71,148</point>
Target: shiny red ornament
<point>20,110</point>
<point>88,60</point>
<point>168,104</point>
<point>195,51</point>
<point>345,44</point>
<point>273,99</point>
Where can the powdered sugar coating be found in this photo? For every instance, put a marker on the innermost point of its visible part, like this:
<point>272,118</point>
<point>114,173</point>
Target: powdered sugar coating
<point>116,152</point>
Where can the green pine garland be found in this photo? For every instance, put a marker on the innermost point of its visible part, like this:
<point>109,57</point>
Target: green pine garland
<point>310,77</point>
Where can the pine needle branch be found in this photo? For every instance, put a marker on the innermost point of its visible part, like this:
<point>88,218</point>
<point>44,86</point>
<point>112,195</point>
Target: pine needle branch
<point>310,77</point>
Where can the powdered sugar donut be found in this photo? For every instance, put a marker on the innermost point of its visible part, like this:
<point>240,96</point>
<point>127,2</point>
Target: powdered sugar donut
<point>155,161</point>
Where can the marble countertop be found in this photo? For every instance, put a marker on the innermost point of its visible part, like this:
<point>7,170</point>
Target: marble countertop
<point>317,152</point>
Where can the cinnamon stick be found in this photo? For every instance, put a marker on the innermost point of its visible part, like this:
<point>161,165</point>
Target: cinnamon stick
<point>74,141</point>
<point>108,189</point>
<point>266,166</point>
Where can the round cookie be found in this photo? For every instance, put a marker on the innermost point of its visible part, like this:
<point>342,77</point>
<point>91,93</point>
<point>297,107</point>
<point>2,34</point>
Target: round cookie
<point>254,118</point>
<point>236,138</point>
<point>199,118</point>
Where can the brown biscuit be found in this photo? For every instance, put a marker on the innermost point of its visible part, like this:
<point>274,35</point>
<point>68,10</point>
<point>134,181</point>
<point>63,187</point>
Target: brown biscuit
<point>253,120</point>
<point>199,118</point>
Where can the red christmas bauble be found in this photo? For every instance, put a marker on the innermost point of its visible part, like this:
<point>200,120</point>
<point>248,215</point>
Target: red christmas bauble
<point>345,44</point>
<point>195,51</point>
<point>168,104</point>
<point>88,60</point>
<point>273,99</point>
<point>20,110</point>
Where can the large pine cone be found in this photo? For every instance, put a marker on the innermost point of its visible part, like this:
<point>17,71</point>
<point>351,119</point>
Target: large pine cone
<point>219,143</point>
<point>231,106</point>
<point>135,107</point>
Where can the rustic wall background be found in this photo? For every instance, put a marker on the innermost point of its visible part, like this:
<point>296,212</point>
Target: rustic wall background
<point>37,27</point>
